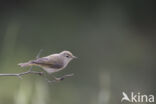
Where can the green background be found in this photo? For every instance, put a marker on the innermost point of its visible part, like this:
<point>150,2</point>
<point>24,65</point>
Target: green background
<point>114,40</point>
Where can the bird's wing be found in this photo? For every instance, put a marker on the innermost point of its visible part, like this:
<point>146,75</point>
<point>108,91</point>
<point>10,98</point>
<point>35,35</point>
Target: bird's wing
<point>52,62</point>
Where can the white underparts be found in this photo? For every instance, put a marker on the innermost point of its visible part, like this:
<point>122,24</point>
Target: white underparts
<point>51,70</point>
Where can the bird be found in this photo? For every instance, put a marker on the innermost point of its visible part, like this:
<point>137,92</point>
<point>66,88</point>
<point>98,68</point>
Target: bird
<point>52,63</point>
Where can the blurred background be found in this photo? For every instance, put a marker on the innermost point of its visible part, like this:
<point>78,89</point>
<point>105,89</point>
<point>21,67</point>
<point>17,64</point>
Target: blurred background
<point>114,40</point>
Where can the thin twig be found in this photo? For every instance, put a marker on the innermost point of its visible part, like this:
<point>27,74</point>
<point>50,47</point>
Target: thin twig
<point>37,56</point>
<point>58,79</point>
<point>19,75</point>
<point>39,53</point>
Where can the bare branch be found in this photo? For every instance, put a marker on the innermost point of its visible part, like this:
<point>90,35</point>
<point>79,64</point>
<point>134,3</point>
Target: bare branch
<point>58,79</point>
<point>24,73</point>
<point>37,56</point>
<point>39,53</point>
<point>21,74</point>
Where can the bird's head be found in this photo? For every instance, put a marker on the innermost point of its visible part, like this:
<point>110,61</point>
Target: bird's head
<point>67,56</point>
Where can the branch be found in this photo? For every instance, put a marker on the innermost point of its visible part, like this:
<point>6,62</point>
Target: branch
<point>30,71</point>
<point>58,79</point>
<point>21,74</point>
<point>24,73</point>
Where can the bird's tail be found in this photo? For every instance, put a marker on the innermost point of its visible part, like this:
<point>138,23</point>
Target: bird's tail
<point>26,64</point>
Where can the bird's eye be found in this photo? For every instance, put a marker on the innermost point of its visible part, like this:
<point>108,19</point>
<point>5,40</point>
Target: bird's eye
<point>67,56</point>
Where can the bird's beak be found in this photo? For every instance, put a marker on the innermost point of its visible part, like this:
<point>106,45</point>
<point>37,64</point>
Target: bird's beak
<point>74,57</point>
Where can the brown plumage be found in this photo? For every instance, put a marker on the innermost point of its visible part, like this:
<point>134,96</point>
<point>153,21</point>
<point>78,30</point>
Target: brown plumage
<point>51,63</point>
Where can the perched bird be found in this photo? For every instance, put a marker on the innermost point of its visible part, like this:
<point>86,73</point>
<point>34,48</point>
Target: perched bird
<point>52,63</point>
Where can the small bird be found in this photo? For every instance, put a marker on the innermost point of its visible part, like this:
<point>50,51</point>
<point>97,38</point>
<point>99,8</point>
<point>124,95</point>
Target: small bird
<point>52,63</point>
